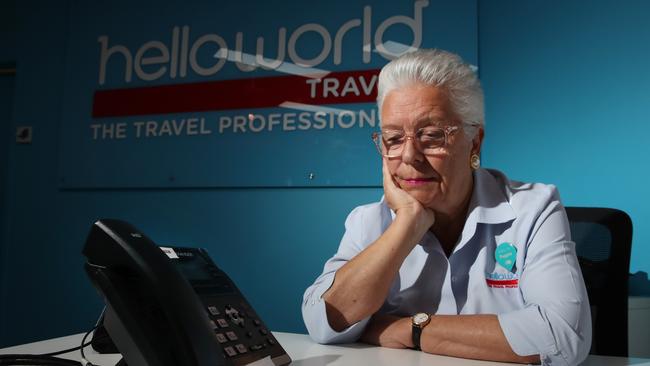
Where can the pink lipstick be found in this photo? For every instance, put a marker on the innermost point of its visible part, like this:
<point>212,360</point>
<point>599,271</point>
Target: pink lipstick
<point>416,181</point>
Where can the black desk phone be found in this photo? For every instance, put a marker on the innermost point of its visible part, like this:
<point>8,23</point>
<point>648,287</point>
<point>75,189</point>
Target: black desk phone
<point>172,306</point>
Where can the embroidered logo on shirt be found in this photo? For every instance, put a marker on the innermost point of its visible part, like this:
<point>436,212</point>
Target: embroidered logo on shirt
<point>502,280</point>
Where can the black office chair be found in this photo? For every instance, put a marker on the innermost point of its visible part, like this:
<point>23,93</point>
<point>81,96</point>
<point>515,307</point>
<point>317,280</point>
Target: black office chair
<point>603,238</point>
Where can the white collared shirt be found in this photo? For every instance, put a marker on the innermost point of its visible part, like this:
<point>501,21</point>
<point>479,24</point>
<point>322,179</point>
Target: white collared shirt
<point>540,299</point>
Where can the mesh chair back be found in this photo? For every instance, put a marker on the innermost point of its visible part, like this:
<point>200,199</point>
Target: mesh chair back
<point>603,238</point>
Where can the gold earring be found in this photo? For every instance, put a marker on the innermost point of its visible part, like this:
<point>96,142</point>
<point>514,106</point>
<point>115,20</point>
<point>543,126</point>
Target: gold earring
<point>474,161</point>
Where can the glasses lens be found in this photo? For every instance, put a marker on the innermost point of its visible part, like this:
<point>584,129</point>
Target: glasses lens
<point>431,138</point>
<point>427,140</point>
<point>393,140</point>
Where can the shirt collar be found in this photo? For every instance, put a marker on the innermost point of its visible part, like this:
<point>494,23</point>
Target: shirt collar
<point>489,204</point>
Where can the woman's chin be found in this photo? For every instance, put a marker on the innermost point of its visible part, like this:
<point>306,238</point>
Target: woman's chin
<point>426,198</point>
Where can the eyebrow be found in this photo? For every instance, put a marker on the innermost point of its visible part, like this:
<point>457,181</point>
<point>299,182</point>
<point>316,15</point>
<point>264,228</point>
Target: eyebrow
<point>420,123</point>
<point>428,121</point>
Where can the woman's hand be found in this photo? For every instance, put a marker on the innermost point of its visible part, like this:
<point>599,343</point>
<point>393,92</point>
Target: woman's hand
<point>401,202</point>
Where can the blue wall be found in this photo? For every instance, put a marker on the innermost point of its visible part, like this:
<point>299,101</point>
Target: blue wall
<point>565,88</point>
<point>6,102</point>
<point>8,29</point>
<point>274,241</point>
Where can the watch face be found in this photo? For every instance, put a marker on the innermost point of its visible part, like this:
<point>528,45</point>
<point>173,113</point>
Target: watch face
<point>420,318</point>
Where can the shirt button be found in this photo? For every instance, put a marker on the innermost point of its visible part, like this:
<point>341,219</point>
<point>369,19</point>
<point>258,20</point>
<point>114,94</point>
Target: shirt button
<point>454,278</point>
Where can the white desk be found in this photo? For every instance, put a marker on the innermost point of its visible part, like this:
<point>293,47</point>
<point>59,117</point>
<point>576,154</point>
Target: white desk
<point>305,352</point>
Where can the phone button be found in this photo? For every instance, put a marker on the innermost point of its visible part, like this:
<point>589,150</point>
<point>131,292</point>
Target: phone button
<point>232,336</point>
<point>257,347</point>
<point>230,351</point>
<point>213,310</point>
<point>222,323</point>
<point>221,338</point>
<point>241,348</point>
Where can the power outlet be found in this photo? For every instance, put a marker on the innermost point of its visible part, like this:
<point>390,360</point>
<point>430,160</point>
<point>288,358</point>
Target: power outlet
<point>24,134</point>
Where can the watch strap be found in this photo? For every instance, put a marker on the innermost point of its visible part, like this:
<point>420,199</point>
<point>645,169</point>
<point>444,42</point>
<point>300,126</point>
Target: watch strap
<point>416,334</point>
<point>418,322</point>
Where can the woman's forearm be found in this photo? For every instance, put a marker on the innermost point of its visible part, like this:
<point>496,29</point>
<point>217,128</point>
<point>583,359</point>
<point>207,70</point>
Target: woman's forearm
<point>361,285</point>
<point>467,336</point>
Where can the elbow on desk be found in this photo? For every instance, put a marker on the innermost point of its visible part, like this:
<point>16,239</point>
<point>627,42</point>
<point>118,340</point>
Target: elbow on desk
<point>575,342</point>
<point>320,336</point>
<point>568,356</point>
<point>572,343</point>
<point>561,335</point>
<point>575,352</point>
<point>320,330</point>
<point>315,320</point>
<point>325,335</point>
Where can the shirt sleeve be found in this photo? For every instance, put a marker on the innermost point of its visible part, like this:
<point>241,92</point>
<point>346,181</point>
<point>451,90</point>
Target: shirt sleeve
<point>313,306</point>
<point>556,321</point>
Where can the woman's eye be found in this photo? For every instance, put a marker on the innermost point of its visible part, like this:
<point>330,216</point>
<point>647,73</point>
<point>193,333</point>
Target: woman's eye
<point>393,139</point>
<point>432,135</point>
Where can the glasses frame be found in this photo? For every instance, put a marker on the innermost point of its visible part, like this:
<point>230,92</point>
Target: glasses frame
<point>448,130</point>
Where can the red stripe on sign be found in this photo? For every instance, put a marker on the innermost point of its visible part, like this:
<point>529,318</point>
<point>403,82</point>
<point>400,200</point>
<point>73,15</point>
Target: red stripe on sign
<point>502,282</point>
<point>334,88</point>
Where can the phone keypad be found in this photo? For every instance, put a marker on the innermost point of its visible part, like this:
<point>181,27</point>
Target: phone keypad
<point>244,327</point>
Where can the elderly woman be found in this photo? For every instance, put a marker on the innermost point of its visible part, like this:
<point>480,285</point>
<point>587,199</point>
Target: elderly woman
<point>455,259</point>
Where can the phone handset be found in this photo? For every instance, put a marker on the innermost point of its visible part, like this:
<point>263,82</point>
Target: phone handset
<point>153,314</point>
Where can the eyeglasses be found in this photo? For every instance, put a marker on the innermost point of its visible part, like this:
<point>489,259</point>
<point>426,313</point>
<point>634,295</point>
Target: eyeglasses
<point>390,143</point>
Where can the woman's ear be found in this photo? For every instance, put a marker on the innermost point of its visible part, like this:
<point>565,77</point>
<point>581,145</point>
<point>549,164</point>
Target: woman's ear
<point>477,140</point>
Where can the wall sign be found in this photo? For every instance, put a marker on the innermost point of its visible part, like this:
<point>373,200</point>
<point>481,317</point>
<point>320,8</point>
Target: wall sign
<point>241,94</point>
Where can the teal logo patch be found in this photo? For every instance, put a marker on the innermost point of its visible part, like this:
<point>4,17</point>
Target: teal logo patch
<point>506,255</point>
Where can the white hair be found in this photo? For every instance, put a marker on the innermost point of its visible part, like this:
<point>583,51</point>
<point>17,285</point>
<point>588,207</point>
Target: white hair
<point>440,69</point>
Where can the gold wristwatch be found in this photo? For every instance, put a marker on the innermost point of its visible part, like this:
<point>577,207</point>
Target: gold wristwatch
<point>418,322</point>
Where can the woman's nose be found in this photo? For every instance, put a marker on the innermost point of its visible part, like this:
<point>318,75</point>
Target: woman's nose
<point>410,153</point>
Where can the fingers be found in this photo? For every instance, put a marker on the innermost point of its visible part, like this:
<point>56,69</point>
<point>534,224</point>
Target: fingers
<point>389,184</point>
<point>389,181</point>
<point>384,171</point>
<point>393,193</point>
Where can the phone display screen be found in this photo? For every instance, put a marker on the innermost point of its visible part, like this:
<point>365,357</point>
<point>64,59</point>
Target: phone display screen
<point>193,268</point>
<point>200,272</point>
